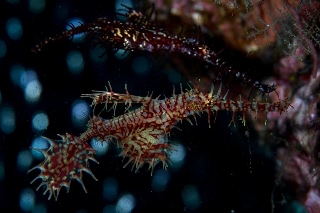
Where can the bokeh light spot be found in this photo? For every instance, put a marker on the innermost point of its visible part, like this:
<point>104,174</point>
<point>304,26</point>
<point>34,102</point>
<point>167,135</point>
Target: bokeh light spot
<point>7,120</point>
<point>140,65</point>
<point>3,49</point>
<point>190,197</point>
<point>121,54</point>
<point>37,6</point>
<point>27,200</point>
<point>101,147</point>
<point>177,155</point>
<point>80,113</point>
<point>40,121</point>
<point>14,28</point>
<point>24,160</point>
<point>16,72</point>
<point>39,143</point>
<point>33,91</point>
<point>75,22</point>
<point>110,189</point>
<point>126,203</point>
<point>26,77</point>
<point>160,180</point>
<point>119,6</point>
<point>98,54</point>
<point>75,62</point>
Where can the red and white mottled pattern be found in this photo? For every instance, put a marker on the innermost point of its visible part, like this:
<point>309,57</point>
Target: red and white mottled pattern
<point>142,134</point>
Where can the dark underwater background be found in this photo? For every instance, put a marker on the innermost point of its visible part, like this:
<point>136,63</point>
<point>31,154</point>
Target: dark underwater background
<point>213,170</point>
